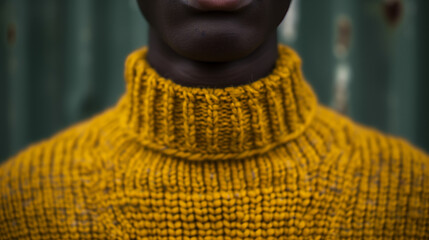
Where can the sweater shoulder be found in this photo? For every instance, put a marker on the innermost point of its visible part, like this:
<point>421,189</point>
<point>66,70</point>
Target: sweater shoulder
<point>376,172</point>
<point>63,146</point>
<point>369,142</point>
<point>47,174</point>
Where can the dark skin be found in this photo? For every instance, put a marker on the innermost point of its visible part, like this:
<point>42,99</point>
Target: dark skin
<point>213,45</point>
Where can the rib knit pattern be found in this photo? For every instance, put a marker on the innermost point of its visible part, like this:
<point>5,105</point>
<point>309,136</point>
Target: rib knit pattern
<point>258,161</point>
<point>216,124</point>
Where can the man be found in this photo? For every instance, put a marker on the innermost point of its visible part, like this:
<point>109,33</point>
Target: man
<point>218,136</point>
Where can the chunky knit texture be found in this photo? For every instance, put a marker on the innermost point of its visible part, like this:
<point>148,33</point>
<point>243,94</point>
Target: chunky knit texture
<point>258,161</point>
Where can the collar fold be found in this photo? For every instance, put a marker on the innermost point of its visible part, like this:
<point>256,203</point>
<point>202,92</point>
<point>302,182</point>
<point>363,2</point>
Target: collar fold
<point>216,123</point>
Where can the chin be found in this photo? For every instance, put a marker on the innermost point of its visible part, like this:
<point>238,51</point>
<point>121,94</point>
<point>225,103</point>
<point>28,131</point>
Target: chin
<point>214,36</point>
<point>215,44</point>
<point>214,50</point>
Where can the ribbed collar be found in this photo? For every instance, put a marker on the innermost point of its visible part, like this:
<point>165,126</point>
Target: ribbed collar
<point>214,124</point>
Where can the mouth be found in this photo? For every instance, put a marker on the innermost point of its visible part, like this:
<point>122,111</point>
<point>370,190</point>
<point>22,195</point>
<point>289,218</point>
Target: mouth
<point>217,5</point>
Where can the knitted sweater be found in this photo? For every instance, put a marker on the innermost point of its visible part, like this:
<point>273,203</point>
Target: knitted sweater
<point>257,161</point>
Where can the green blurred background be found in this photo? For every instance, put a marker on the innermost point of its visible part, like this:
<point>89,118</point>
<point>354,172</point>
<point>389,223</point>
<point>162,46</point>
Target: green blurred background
<point>61,61</point>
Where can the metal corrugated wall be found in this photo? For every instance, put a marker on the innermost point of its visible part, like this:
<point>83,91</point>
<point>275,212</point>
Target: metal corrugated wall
<point>61,61</point>
<point>370,60</point>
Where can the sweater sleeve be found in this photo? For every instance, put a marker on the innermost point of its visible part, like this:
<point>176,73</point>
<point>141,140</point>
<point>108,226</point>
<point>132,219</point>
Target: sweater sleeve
<point>41,193</point>
<point>395,201</point>
<point>19,187</point>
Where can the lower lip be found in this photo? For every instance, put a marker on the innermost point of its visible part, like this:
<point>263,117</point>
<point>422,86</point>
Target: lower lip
<point>218,5</point>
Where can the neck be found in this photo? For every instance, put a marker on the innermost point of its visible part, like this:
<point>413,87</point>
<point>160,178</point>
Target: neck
<point>188,72</point>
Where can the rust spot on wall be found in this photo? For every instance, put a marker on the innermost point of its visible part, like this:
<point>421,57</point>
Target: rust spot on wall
<point>393,11</point>
<point>344,36</point>
<point>343,42</point>
<point>11,34</point>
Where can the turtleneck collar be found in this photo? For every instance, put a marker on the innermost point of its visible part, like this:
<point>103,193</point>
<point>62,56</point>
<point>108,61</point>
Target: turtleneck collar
<point>216,123</point>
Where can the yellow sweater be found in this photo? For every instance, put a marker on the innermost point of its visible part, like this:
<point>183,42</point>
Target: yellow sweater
<point>258,161</point>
